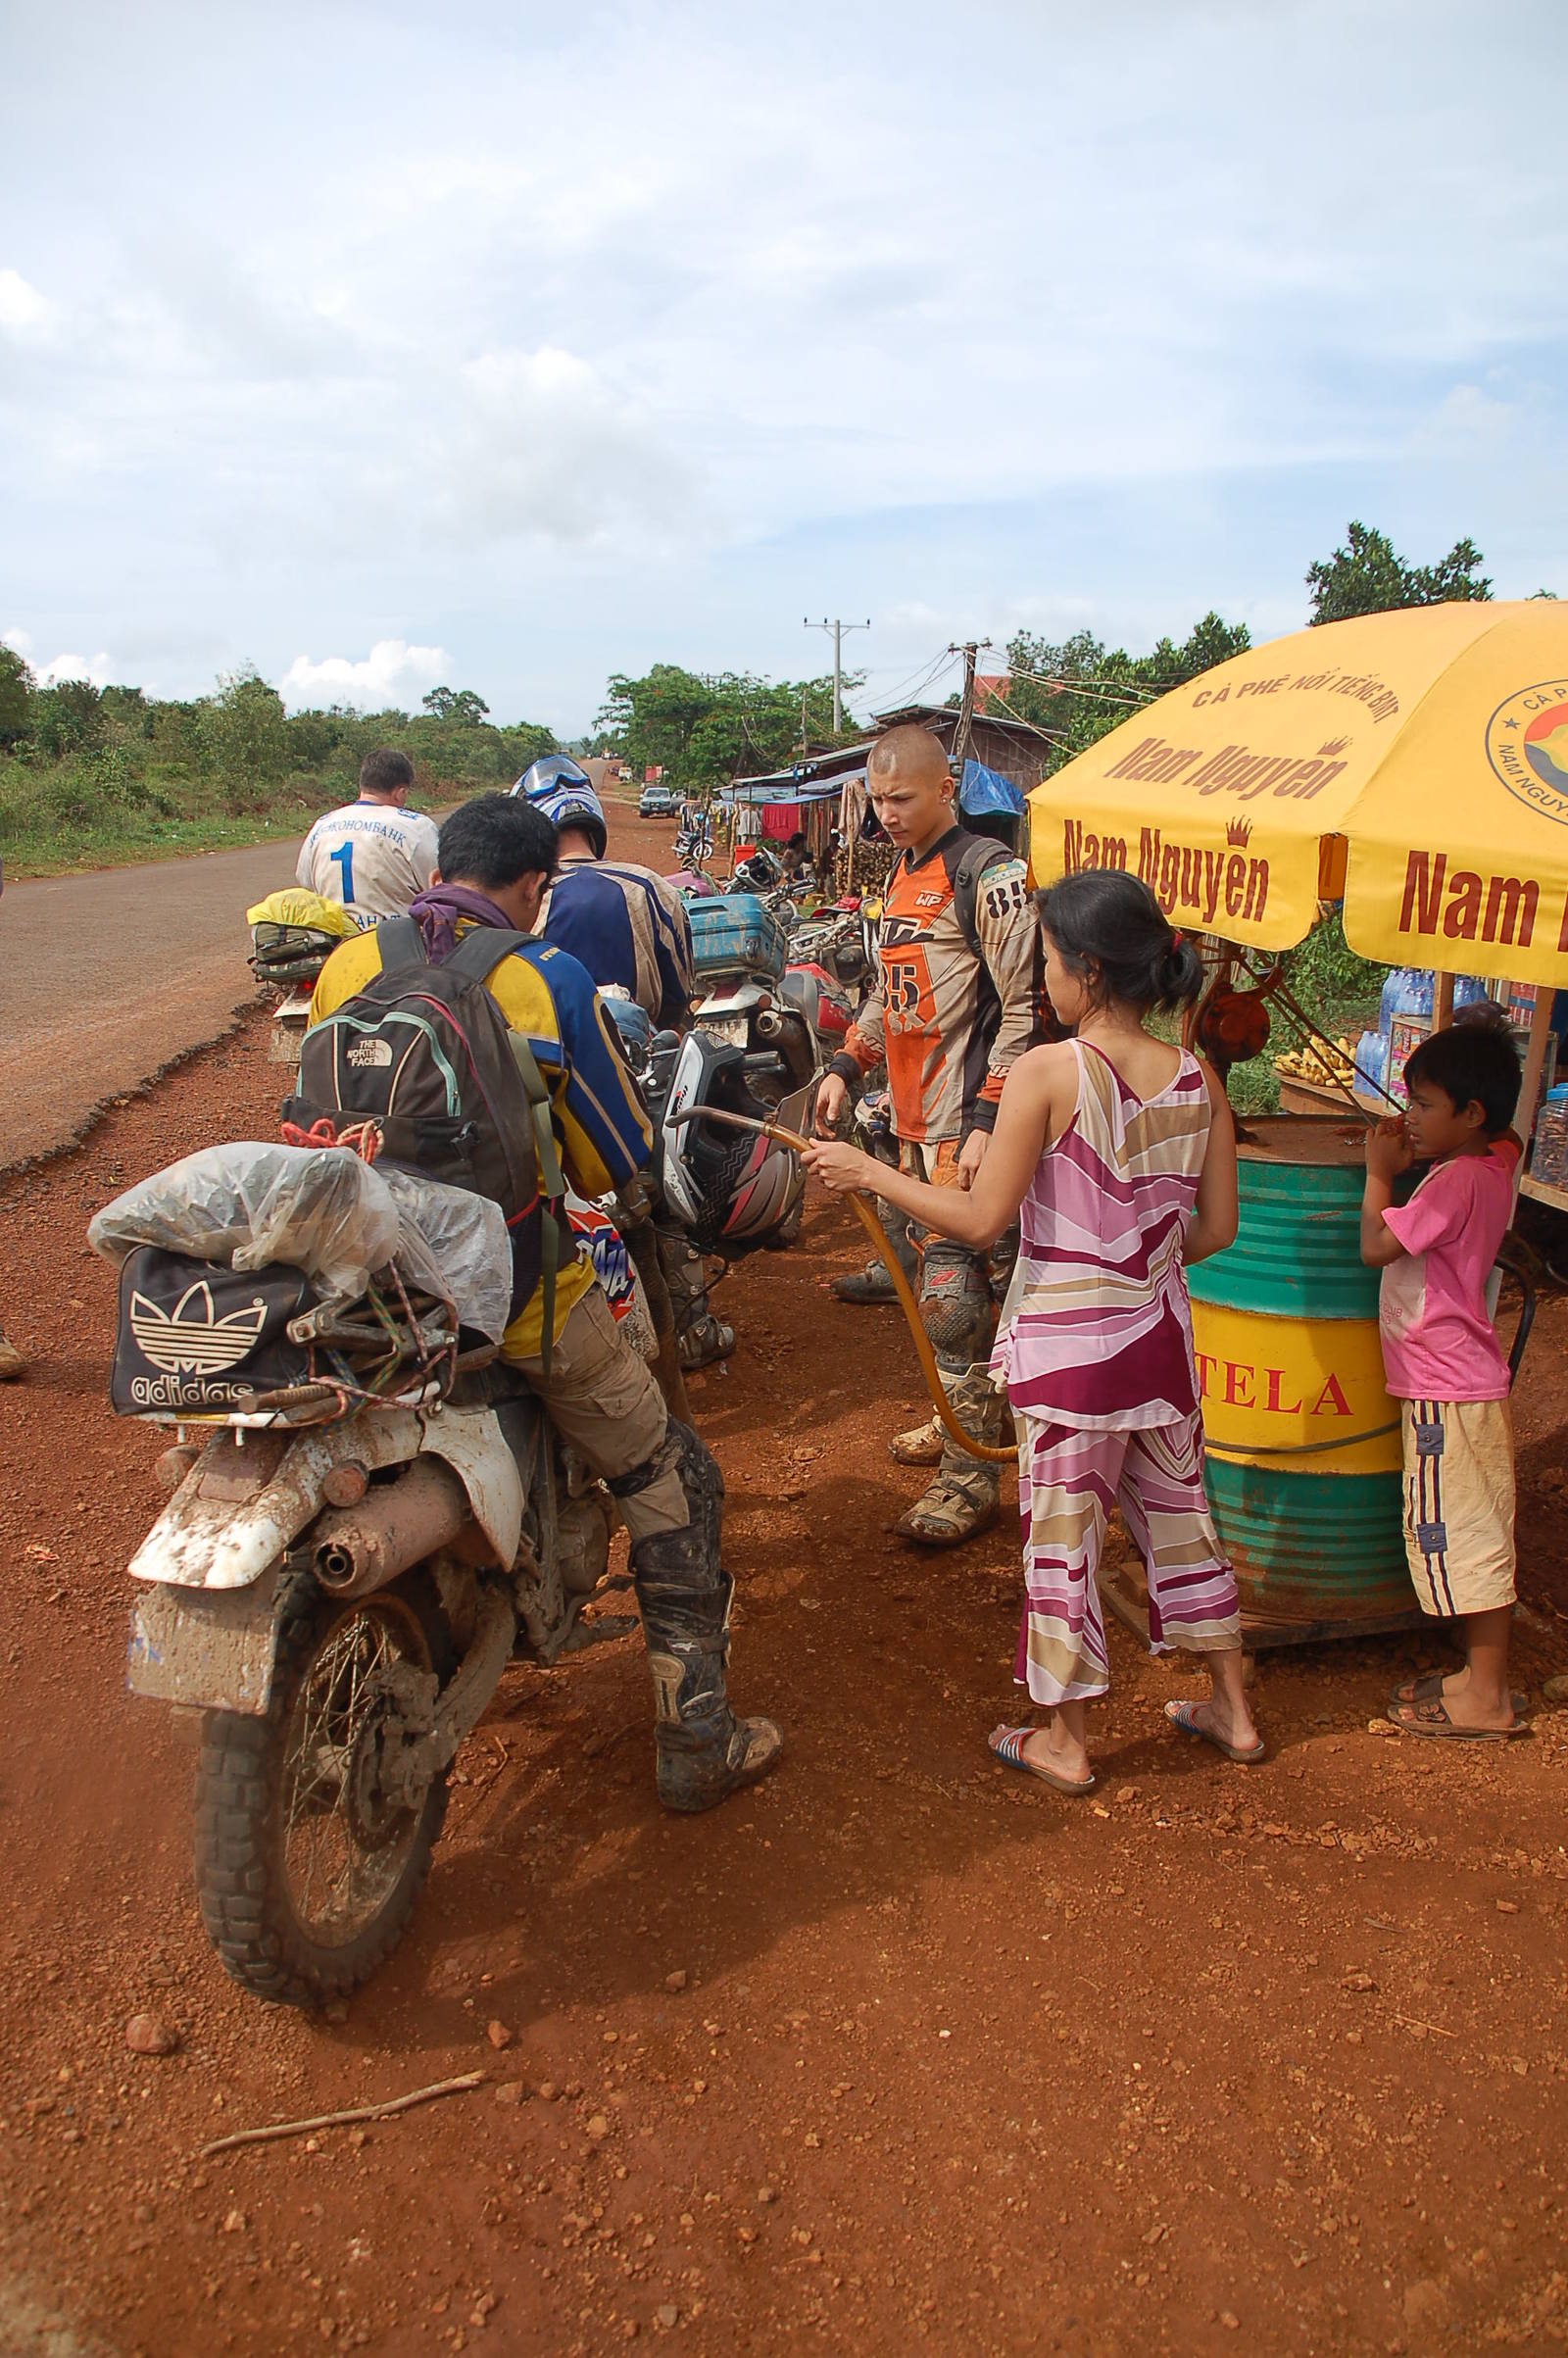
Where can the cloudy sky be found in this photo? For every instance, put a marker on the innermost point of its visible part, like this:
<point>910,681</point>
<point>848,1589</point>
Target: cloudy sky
<point>509,346</point>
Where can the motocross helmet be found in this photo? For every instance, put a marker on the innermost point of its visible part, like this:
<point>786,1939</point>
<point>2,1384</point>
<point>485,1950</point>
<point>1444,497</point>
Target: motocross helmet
<point>558,787</point>
<point>731,1189</point>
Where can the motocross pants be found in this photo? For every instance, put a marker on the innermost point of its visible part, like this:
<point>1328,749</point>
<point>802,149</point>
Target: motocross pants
<point>602,1399</point>
<point>959,1287</point>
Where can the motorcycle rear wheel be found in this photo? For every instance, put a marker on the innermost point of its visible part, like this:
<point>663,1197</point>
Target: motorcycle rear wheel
<point>305,1875</point>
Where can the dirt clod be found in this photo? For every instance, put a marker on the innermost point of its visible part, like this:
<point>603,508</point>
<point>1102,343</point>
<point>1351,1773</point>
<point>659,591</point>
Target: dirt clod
<point>151,2034</point>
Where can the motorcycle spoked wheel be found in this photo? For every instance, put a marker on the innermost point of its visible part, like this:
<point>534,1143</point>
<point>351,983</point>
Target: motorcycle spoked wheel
<point>305,1875</point>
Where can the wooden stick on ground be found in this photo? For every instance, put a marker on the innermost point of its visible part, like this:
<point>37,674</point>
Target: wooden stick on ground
<point>342,2119</point>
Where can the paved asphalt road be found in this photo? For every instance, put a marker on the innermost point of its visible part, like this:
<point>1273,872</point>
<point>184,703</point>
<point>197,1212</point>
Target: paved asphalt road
<point>106,977</point>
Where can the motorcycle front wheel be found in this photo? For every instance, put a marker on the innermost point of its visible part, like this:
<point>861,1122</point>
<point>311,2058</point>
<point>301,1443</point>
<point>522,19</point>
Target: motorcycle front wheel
<point>306,1871</point>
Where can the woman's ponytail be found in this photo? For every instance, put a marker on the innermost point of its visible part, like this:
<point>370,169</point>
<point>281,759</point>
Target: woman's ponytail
<point>1178,975</point>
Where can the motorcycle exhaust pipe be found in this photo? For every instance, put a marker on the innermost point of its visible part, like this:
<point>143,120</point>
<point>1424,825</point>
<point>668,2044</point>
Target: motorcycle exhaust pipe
<point>769,1024</point>
<point>360,1548</point>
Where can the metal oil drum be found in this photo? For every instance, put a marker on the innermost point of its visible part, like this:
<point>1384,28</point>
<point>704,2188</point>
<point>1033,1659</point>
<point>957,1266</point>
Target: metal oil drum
<point>1303,1440</point>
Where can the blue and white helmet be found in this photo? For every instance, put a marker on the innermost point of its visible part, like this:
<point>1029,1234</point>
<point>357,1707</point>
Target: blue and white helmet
<point>556,785</point>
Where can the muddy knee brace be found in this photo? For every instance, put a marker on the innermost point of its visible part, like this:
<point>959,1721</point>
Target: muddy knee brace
<point>955,1306</point>
<point>682,1563</point>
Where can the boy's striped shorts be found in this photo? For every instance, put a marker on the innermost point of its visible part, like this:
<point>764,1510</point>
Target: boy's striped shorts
<point>1458,1503</point>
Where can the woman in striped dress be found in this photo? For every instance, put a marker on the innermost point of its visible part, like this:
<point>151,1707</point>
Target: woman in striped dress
<point>1118,1155</point>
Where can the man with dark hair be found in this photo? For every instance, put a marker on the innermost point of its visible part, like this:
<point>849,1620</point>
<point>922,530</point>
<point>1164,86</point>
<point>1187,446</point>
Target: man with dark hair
<point>629,927</point>
<point>374,855</point>
<point>497,857</point>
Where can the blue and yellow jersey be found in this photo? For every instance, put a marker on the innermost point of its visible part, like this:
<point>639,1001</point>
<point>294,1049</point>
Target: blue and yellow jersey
<point>599,1124</point>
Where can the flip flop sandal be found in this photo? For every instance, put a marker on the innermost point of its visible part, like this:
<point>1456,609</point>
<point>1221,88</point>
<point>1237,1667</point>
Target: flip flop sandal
<point>1184,1716</point>
<point>1431,1718</point>
<point>1008,1749</point>
<point>1430,1690</point>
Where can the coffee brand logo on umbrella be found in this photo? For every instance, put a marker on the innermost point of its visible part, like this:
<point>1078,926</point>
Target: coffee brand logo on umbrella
<point>1527,746</point>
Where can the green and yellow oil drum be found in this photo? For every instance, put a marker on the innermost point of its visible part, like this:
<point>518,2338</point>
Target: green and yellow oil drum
<point>1303,1440</point>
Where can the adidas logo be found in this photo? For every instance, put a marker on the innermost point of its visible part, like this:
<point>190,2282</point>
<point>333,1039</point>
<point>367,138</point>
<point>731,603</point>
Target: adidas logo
<point>192,1340</point>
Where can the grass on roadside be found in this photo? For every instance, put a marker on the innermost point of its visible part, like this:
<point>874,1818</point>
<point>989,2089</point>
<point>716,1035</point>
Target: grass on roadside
<point>103,810</point>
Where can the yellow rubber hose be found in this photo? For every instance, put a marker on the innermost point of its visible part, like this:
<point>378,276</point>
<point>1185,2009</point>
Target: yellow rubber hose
<point>865,1213</point>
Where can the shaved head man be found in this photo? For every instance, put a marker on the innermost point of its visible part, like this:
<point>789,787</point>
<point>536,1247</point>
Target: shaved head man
<point>958,1000</point>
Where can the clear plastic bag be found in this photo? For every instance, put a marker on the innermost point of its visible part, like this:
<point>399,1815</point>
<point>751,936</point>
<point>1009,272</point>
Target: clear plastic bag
<point>322,1211</point>
<point>465,1236</point>
<point>247,1204</point>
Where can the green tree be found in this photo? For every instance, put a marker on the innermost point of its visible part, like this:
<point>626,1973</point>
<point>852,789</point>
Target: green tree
<point>460,704</point>
<point>67,718</point>
<point>1367,576</point>
<point>16,697</point>
<point>1080,690</point>
<point>243,733</point>
<point>703,730</point>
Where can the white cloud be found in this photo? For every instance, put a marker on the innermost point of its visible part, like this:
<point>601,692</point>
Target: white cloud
<point>96,667</point>
<point>605,397</point>
<point>21,307</point>
<point>392,674</point>
<point>543,448</point>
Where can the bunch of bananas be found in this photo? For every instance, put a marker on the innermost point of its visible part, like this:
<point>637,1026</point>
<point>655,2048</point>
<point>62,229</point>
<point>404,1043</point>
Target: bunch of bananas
<point>1316,1062</point>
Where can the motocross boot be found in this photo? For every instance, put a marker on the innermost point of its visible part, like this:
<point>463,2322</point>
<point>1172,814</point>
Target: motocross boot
<point>873,1283</point>
<point>703,1752</point>
<point>964,1497</point>
<point>700,1337</point>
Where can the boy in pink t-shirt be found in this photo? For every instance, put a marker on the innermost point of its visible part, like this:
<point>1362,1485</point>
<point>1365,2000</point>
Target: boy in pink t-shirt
<point>1444,1364</point>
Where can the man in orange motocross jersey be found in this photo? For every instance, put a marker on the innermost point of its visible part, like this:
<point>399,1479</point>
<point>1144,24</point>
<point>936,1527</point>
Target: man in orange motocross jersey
<point>956,1003</point>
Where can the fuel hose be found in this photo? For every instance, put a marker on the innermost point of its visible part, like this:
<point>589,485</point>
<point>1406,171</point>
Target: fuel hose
<point>865,1213</point>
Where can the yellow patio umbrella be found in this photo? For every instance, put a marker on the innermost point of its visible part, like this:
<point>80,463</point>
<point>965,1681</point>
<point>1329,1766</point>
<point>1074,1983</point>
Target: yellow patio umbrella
<point>1416,764</point>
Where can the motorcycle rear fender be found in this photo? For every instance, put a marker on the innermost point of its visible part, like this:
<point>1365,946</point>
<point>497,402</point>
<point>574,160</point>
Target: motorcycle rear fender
<point>737,999</point>
<point>240,1509</point>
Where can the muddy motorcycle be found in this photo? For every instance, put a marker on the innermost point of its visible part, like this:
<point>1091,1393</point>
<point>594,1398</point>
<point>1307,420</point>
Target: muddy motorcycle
<point>293,934</point>
<point>369,1522</point>
<point>749,1003</point>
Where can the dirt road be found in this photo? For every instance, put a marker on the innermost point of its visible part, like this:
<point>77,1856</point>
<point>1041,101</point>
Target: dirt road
<point>107,978</point>
<point>899,2051</point>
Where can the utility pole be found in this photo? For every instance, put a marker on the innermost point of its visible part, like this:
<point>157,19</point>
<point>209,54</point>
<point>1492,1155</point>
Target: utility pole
<point>838,629</point>
<point>961,735</point>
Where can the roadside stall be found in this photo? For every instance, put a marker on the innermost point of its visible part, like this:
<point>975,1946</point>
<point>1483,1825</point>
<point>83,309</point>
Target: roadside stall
<point>1413,767</point>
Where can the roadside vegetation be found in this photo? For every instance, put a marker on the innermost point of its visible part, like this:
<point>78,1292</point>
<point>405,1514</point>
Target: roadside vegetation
<point>92,776</point>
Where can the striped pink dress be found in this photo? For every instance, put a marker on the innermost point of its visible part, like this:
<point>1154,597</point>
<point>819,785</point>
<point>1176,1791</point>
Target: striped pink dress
<point>1101,1336</point>
<point>1097,1361</point>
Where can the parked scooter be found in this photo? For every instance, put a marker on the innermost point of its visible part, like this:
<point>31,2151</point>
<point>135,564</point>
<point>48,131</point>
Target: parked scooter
<point>369,1521</point>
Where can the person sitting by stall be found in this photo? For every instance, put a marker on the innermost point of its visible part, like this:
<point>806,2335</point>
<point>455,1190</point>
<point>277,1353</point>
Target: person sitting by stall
<point>1445,1366</point>
<point>1120,1152</point>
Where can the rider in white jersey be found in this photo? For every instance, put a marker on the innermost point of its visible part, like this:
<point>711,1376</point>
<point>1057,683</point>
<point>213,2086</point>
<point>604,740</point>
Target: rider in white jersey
<point>372,855</point>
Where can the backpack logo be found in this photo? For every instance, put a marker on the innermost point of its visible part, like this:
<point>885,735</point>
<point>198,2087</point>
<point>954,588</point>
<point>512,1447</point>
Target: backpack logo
<point>191,1338</point>
<point>366,1054</point>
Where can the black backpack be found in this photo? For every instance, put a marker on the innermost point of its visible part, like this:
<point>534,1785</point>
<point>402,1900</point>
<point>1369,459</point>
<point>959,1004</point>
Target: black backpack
<point>424,1055</point>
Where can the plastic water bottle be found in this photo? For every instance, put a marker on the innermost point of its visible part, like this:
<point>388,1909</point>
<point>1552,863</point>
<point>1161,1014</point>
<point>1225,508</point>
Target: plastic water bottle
<point>1372,1064</point>
<point>1407,991</point>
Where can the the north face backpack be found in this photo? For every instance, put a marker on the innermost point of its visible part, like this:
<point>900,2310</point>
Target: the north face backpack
<point>425,1058</point>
